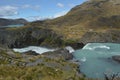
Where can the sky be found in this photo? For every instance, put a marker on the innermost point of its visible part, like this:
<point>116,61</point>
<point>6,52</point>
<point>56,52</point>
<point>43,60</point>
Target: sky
<point>36,9</point>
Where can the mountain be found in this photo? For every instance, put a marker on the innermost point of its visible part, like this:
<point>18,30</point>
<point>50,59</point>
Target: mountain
<point>92,21</point>
<point>5,22</point>
<point>92,15</point>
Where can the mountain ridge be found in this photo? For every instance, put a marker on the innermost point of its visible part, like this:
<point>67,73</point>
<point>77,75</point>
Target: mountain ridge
<point>92,15</point>
<point>79,21</point>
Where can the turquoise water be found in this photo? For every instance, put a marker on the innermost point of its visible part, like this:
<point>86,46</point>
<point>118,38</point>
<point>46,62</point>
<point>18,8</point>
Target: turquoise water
<point>95,59</point>
<point>17,25</point>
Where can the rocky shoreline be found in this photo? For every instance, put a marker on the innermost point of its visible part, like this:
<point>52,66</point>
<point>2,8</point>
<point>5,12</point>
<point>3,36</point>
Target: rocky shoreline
<point>59,59</point>
<point>62,53</point>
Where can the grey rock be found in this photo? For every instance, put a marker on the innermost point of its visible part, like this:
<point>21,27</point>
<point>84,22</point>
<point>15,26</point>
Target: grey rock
<point>31,53</point>
<point>116,58</point>
<point>36,62</point>
<point>61,53</point>
<point>29,36</point>
<point>110,36</point>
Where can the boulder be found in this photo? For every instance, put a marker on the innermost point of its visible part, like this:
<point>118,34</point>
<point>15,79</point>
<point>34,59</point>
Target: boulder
<point>61,53</point>
<point>116,58</point>
<point>77,45</point>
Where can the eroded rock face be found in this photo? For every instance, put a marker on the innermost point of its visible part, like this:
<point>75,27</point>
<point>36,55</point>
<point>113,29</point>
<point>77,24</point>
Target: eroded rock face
<point>110,36</point>
<point>77,45</point>
<point>29,36</point>
<point>116,58</point>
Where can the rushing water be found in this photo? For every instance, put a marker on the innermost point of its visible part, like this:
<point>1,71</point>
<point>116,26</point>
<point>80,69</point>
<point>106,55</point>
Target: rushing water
<point>40,50</point>
<point>37,49</point>
<point>95,59</point>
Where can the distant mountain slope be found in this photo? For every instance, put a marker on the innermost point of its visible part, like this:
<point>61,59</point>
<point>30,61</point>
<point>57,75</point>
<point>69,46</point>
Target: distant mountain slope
<point>5,22</point>
<point>92,15</point>
<point>93,21</point>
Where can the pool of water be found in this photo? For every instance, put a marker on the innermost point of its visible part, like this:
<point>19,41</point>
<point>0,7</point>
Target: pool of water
<point>95,59</point>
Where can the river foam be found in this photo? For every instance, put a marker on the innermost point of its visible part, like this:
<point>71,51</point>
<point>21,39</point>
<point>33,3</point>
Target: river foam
<point>90,46</point>
<point>37,49</point>
<point>70,49</point>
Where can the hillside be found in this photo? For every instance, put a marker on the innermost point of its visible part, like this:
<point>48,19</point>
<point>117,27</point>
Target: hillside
<point>92,21</point>
<point>93,15</point>
<point>16,66</point>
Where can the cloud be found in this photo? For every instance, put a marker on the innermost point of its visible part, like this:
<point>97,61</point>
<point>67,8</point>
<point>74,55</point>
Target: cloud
<point>60,5</point>
<point>26,6</point>
<point>34,18</point>
<point>8,11</point>
<point>60,14</point>
<point>36,7</point>
<point>33,7</point>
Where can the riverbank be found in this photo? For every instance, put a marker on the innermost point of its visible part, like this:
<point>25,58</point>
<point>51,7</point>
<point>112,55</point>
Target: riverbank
<point>49,65</point>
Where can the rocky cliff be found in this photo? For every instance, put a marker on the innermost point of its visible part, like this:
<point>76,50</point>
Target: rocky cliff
<point>110,36</point>
<point>29,36</point>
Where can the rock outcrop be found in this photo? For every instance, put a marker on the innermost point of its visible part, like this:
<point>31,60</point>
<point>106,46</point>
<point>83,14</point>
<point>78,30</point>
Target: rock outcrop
<point>31,53</point>
<point>29,36</point>
<point>116,58</point>
<point>110,36</point>
<point>61,53</point>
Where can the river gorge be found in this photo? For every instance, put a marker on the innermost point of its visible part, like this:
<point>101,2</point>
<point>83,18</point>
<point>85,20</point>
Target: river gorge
<point>95,58</point>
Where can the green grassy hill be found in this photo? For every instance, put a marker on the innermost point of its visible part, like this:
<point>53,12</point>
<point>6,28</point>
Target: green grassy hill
<point>93,15</point>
